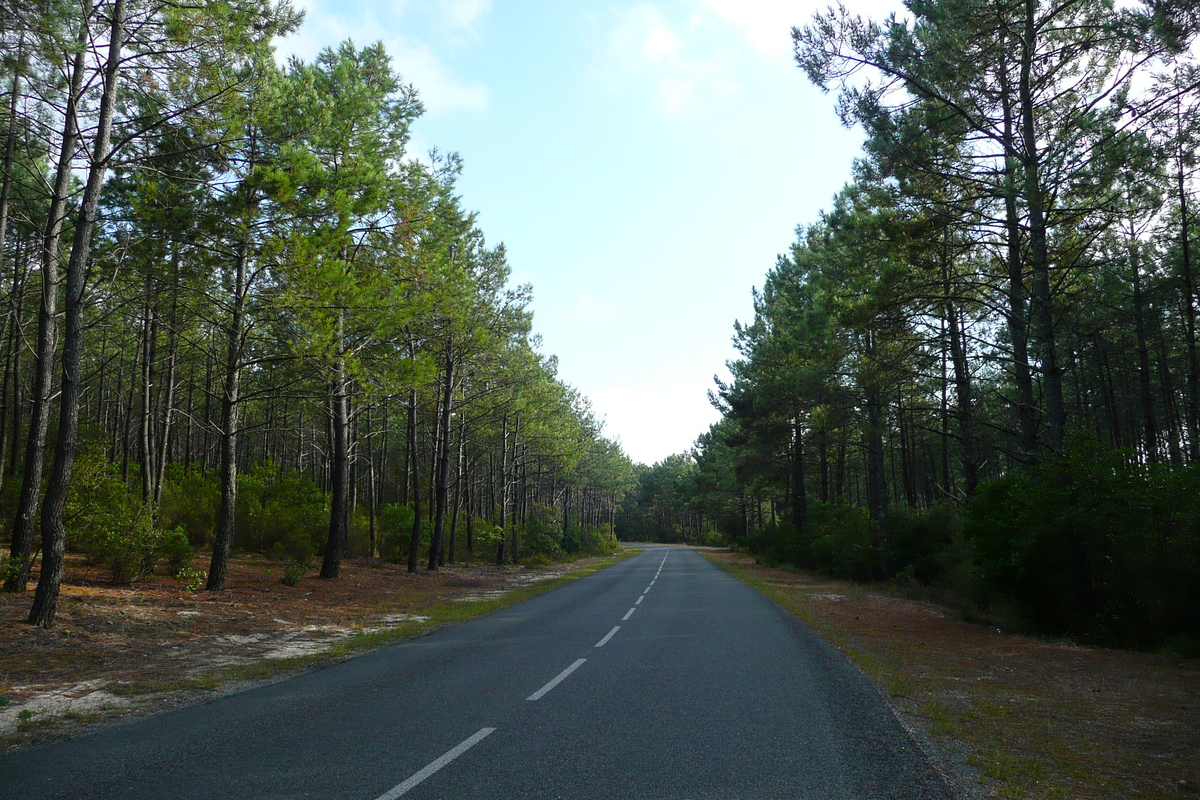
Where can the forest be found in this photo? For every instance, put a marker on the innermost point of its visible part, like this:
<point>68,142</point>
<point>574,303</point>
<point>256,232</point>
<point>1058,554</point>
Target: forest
<point>976,375</point>
<point>240,317</point>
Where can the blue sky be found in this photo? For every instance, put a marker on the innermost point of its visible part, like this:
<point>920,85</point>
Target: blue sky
<point>643,162</point>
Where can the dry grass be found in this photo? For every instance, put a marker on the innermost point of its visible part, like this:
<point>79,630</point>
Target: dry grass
<point>120,649</point>
<point>1037,718</point>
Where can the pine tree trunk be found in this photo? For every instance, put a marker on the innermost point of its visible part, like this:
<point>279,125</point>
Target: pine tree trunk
<point>799,495</point>
<point>54,534</point>
<point>415,476</point>
<point>877,488</point>
<point>339,461</point>
<point>230,424</point>
<point>1039,256</point>
<point>43,378</point>
<point>1189,310</point>
<point>1016,314</point>
<point>500,547</point>
<point>1149,424</point>
<point>443,461</point>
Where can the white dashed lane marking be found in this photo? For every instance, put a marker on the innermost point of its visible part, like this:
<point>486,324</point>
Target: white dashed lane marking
<point>556,680</point>
<point>437,764</point>
<point>608,636</point>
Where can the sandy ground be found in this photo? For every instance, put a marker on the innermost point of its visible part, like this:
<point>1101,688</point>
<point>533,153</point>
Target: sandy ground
<point>117,649</point>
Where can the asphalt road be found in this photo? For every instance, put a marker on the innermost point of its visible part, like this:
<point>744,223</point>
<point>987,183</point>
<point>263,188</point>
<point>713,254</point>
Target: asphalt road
<point>659,677</point>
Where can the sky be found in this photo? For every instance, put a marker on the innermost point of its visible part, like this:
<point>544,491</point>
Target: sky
<point>644,164</point>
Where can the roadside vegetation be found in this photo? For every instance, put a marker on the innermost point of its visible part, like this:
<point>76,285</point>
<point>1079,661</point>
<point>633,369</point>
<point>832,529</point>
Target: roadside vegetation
<point>1027,717</point>
<point>976,374</point>
<point>239,316</point>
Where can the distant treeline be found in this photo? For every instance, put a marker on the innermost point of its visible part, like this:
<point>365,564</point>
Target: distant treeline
<point>237,314</point>
<point>978,371</point>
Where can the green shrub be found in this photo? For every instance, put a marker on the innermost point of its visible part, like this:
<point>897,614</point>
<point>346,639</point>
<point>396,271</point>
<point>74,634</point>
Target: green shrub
<point>280,513</point>
<point>924,541</point>
<point>598,541</point>
<point>395,531</point>
<point>294,572</point>
<point>1093,544</point>
<point>190,500</point>
<point>9,568</point>
<point>839,537</point>
<point>108,523</point>
<point>538,537</point>
<point>193,579</point>
<point>538,560</point>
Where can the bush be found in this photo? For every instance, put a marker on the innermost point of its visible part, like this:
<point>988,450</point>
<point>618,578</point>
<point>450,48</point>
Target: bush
<point>394,529</point>
<point>190,500</point>
<point>601,541</point>
<point>294,572</point>
<point>540,538</point>
<point>840,544</point>
<point>538,560</point>
<point>283,514</point>
<point>925,542</point>
<point>105,521</point>
<point>1094,545</point>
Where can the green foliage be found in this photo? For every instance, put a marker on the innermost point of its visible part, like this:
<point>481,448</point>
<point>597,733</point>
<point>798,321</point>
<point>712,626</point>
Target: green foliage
<point>107,522</point>
<point>841,540</point>
<point>538,560</point>
<point>601,541</point>
<point>9,568</point>
<point>193,579</point>
<point>394,527</point>
<point>541,538</point>
<point>282,514</point>
<point>189,501</point>
<point>926,544</point>
<point>1094,545</point>
<point>294,572</point>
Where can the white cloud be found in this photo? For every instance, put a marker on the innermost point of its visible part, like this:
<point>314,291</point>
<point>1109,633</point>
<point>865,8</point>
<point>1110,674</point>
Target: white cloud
<point>462,14</point>
<point>660,44</point>
<point>327,23</point>
<point>766,24</point>
<point>654,421</point>
<point>647,48</point>
<point>439,90</point>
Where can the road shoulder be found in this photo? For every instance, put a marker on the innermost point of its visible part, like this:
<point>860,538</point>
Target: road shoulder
<point>1007,715</point>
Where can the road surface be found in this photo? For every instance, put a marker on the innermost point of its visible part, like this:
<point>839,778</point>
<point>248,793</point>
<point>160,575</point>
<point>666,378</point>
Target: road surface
<point>658,677</point>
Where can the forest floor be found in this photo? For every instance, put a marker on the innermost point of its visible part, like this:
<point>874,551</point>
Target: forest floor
<point>1035,718</point>
<point>117,650</point>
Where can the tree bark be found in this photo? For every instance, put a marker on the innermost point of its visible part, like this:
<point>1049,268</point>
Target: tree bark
<point>799,495</point>
<point>1016,313</point>
<point>1149,423</point>
<point>230,424</point>
<point>54,534</point>
<point>1189,305</point>
<point>415,476</point>
<point>43,377</point>
<point>339,461</point>
<point>443,461</point>
<point>1039,256</point>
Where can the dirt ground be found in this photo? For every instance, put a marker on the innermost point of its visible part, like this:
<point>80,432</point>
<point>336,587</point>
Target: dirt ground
<point>118,649</point>
<point>1032,718</point>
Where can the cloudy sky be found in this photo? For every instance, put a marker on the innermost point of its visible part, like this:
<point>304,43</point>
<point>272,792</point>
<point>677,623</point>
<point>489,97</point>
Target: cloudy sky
<point>644,163</point>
